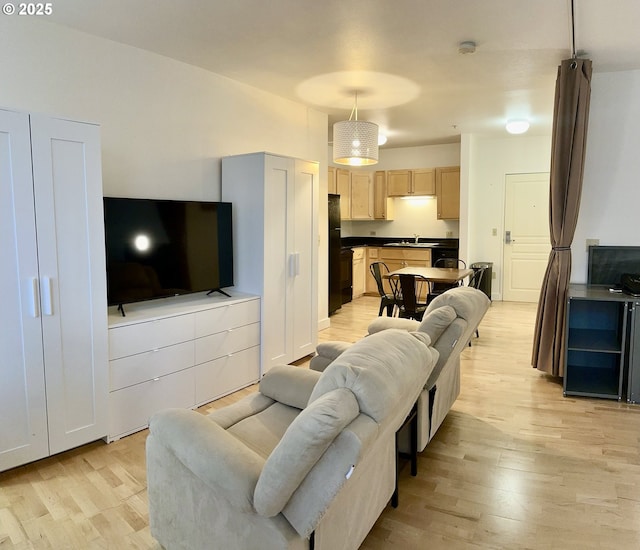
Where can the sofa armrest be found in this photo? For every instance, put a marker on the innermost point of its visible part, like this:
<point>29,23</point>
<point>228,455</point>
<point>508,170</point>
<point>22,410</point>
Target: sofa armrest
<point>289,385</point>
<point>327,353</point>
<point>383,323</point>
<point>209,452</point>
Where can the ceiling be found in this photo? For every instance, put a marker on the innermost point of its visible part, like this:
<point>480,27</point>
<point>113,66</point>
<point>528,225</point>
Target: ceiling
<point>401,56</point>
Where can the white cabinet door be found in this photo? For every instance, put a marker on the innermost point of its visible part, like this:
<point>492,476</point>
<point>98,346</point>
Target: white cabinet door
<point>23,418</point>
<point>304,305</point>
<point>67,177</point>
<point>280,263</point>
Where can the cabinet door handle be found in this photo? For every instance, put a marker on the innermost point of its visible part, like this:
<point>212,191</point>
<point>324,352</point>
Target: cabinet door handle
<point>35,298</point>
<point>294,264</point>
<point>47,306</point>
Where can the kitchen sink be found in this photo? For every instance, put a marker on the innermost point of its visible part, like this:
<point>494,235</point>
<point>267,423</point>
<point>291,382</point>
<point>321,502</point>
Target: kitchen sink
<point>413,245</point>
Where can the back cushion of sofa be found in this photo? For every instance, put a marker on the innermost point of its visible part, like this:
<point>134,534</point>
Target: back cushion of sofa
<point>435,322</point>
<point>301,446</point>
<point>445,346</point>
<point>380,370</point>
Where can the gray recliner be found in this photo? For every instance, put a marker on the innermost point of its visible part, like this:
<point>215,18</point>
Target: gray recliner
<point>450,320</point>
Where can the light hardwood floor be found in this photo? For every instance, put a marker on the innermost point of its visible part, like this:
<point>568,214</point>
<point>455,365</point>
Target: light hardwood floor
<point>514,466</point>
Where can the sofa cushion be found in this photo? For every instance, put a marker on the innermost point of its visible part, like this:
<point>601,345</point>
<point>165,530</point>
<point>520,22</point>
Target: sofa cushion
<point>301,446</point>
<point>381,370</point>
<point>435,322</point>
<point>262,431</point>
<point>289,385</point>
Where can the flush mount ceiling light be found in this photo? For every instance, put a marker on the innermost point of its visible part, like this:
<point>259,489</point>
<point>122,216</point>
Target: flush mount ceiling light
<point>355,142</point>
<point>468,46</point>
<point>519,126</point>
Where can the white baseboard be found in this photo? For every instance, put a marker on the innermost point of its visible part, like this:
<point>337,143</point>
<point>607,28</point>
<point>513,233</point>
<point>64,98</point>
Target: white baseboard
<point>324,323</point>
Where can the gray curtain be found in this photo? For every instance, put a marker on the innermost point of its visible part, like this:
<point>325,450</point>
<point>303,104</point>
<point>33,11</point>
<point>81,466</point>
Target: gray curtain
<point>570,118</point>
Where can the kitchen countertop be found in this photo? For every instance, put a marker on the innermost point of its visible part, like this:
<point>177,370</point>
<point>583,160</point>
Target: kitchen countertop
<point>354,242</point>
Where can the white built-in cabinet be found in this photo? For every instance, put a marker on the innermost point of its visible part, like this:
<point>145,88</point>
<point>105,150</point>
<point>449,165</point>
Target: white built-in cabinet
<point>53,304</point>
<point>275,224</point>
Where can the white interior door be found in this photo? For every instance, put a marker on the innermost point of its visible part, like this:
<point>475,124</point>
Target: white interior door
<point>526,238</point>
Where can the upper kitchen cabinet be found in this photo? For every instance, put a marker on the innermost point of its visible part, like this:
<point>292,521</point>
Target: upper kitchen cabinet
<point>382,204</point>
<point>403,183</point>
<point>361,196</point>
<point>448,192</point>
<point>331,181</point>
<point>343,188</point>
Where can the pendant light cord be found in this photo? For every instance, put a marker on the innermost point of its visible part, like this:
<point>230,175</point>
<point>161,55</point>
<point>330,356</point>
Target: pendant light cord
<point>355,108</point>
<point>573,32</point>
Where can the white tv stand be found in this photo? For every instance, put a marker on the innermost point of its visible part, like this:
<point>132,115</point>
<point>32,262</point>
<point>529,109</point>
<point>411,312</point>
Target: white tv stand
<point>179,352</point>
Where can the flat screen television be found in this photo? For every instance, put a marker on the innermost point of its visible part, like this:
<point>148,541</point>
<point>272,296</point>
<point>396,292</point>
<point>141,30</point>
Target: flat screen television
<point>159,248</point>
<point>608,263</point>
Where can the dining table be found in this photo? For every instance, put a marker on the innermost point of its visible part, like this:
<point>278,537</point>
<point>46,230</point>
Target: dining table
<point>433,274</point>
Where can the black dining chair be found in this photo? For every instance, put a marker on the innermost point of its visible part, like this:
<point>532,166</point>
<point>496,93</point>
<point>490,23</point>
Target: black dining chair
<point>438,288</point>
<point>387,300</point>
<point>411,288</point>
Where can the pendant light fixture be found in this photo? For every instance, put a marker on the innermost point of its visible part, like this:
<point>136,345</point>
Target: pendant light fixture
<point>355,142</point>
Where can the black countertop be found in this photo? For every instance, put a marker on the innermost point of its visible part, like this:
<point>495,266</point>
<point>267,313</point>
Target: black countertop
<point>353,242</point>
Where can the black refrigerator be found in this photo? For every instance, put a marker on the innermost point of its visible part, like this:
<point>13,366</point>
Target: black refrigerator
<point>335,245</point>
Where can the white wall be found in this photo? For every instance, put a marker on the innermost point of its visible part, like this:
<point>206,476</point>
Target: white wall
<point>411,216</point>
<point>611,184</point>
<point>485,164</point>
<point>165,124</point>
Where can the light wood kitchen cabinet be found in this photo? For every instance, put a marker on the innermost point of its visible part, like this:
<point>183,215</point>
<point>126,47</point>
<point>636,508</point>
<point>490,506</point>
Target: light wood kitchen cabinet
<point>448,192</point>
<point>382,204</point>
<point>343,188</point>
<point>331,181</point>
<point>361,196</point>
<point>398,257</point>
<point>370,286</point>
<point>359,264</point>
<point>403,183</point>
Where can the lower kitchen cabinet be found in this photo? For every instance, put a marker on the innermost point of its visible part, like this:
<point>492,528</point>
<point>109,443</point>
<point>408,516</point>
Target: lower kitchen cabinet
<point>358,277</point>
<point>397,257</point>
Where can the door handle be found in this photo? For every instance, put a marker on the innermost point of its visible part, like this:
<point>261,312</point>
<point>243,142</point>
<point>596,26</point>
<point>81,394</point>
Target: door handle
<point>507,237</point>
<point>35,298</point>
<point>47,304</point>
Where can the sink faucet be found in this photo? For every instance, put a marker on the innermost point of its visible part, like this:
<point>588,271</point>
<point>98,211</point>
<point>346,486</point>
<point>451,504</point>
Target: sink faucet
<point>417,237</point>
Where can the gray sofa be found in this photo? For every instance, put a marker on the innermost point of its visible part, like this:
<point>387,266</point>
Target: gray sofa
<point>309,461</point>
<point>450,335</point>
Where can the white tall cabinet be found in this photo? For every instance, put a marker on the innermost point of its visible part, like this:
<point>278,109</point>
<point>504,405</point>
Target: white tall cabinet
<point>275,224</point>
<point>53,306</point>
